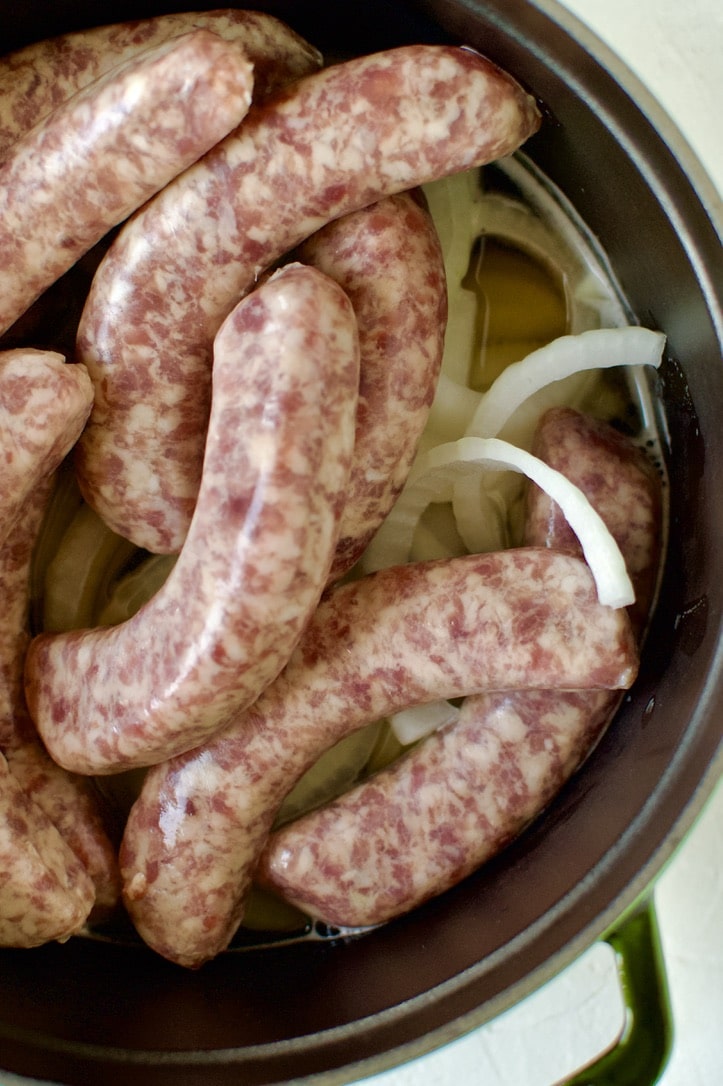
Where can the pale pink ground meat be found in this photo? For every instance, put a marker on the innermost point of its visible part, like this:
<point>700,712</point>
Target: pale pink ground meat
<point>327,145</point>
<point>37,79</point>
<point>89,164</point>
<point>255,561</point>
<point>525,618</point>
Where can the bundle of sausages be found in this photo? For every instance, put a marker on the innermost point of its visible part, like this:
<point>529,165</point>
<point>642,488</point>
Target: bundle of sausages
<point>254,366</point>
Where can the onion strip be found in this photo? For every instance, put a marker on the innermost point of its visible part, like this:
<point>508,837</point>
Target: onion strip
<point>598,348</point>
<point>411,725</point>
<point>433,477</point>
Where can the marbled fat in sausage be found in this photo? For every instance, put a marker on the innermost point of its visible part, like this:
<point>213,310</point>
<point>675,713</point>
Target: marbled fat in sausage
<point>45,893</point>
<point>254,564</point>
<point>388,259</point>
<point>107,150</point>
<point>621,483</point>
<point>44,404</point>
<point>399,637</point>
<point>72,803</point>
<point>418,827</point>
<point>329,144</point>
<point>439,812</point>
<point>37,79</point>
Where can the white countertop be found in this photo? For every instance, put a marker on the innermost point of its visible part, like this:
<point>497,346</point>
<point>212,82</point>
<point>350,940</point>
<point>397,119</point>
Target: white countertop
<point>675,49</point>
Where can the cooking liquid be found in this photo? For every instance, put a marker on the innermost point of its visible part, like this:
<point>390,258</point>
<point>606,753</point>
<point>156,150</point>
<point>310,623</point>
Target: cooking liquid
<point>521,303</point>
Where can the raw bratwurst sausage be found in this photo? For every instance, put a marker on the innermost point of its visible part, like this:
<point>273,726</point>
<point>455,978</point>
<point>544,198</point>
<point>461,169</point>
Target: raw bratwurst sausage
<point>278,455</point>
<point>620,482</point>
<point>45,892</point>
<point>331,143</point>
<point>107,150</point>
<point>37,79</point>
<point>72,803</point>
<point>438,813</point>
<point>44,403</point>
<point>518,619</point>
<point>388,259</point>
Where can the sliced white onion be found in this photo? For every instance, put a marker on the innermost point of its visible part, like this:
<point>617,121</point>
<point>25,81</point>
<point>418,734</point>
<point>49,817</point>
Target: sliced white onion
<point>88,558</point>
<point>534,224</point>
<point>458,206</point>
<point>453,408</point>
<point>130,592</point>
<point>433,478</point>
<point>410,725</point>
<point>599,348</point>
<point>437,535</point>
<point>481,512</point>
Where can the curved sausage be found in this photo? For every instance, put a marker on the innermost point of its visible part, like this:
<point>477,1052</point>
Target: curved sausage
<point>45,893</point>
<point>399,637</point>
<point>388,259</point>
<point>331,143</point>
<point>81,816</point>
<point>418,827</point>
<point>37,79</point>
<point>618,479</point>
<point>72,803</point>
<point>44,404</point>
<point>107,150</point>
<point>286,376</point>
<point>439,812</point>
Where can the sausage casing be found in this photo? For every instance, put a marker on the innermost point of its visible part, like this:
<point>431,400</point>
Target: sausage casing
<point>37,79</point>
<point>399,637</point>
<point>327,145</point>
<point>45,893</point>
<point>90,163</point>
<point>44,404</point>
<point>388,259</point>
<point>254,564</point>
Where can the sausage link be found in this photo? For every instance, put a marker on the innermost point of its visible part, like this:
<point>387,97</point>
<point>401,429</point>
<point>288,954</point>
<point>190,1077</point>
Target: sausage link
<point>16,555</point>
<point>621,483</point>
<point>106,151</point>
<point>37,79</point>
<point>418,827</point>
<point>44,404</point>
<point>439,812</point>
<point>388,259</point>
<point>45,893</point>
<point>80,814</point>
<point>256,558</point>
<point>72,803</point>
<point>331,143</point>
<point>399,637</point>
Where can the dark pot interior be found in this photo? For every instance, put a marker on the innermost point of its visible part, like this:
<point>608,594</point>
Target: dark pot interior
<point>90,1011</point>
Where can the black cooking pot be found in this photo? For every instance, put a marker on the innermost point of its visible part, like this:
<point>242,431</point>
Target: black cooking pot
<point>92,1011</point>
